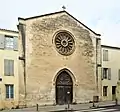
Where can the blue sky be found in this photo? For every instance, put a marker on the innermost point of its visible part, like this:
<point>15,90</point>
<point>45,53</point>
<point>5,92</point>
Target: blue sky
<point>102,16</point>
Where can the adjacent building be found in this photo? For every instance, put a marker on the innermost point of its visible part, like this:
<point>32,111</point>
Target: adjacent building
<point>9,88</point>
<point>110,72</point>
<point>60,60</point>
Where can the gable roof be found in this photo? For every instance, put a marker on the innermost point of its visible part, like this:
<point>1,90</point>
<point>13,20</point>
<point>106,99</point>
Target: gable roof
<point>59,13</point>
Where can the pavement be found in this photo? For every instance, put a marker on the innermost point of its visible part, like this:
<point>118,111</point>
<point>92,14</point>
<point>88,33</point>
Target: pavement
<point>87,107</point>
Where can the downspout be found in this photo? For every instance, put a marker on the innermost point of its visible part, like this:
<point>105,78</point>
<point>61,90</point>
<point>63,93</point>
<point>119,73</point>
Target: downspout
<point>98,63</point>
<point>21,28</point>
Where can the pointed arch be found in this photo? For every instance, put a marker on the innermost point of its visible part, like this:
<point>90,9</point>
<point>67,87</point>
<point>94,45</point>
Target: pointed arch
<point>64,87</point>
<point>66,70</point>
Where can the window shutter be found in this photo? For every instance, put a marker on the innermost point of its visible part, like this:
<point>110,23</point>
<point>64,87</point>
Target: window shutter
<point>11,91</point>
<point>103,55</point>
<point>11,67</point>
<point>7,91</point>
<point>102,75</point>
<point>106,55</point>
<point>2,41</point>
<point>109,73</point>
<point>119,74</point>
<point>6,67</point>
<point>15,43</point>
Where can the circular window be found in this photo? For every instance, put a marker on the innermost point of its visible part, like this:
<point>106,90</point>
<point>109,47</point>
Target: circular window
<point>64,43</point>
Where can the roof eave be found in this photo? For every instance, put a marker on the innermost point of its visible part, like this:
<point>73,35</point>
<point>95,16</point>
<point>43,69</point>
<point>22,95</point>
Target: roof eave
<point>8,30</point>
<point>113,47</point>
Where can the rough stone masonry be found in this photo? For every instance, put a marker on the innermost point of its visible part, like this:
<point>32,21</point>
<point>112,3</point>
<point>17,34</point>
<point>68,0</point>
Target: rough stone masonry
<point>42,62</point>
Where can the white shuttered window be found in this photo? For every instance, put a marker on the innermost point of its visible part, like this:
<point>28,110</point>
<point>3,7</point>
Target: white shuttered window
<point>8,67</point>
<point>105,55</point>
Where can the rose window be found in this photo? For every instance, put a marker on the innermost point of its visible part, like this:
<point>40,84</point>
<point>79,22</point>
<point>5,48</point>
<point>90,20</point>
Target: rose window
<point>64,43</point>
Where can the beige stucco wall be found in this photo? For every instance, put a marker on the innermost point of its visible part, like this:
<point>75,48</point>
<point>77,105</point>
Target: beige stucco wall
<point>43,62</point>
<point>113,63</point>
<point>13,55</point>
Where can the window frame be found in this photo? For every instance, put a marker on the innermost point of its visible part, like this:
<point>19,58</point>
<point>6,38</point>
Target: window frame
<point>11,47</point>
<point>106,73</point>
<point>10,94</point>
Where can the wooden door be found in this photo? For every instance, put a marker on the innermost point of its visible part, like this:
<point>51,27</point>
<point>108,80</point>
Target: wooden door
<point>64,85</point>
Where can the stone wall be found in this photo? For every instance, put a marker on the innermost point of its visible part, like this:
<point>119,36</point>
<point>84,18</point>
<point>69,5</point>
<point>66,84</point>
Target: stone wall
<point>43,61</point>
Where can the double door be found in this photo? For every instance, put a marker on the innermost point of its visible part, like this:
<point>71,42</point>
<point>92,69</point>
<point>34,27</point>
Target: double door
<point>64,94</point>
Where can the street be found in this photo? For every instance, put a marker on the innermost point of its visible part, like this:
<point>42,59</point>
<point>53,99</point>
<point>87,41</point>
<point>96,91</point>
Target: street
<point>99,109</point>
<point>102,109</point>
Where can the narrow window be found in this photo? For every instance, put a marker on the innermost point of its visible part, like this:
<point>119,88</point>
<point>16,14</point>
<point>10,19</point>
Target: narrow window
<point>9,91</point>
<point>105,90</point>
<point>8,67</point>
<point>105,55</point>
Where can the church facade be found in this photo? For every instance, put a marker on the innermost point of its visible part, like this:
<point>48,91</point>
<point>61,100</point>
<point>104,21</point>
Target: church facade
<point>59,60</point>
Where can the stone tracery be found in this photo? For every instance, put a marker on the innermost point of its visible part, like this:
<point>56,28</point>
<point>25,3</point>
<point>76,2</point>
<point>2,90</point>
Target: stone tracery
<point>64,43</point>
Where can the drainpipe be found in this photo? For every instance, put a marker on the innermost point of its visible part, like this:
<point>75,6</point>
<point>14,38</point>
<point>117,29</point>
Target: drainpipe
<point>98,64</point>
<point>21,28</point>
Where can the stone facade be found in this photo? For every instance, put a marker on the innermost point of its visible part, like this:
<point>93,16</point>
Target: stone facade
<point>40,62</point>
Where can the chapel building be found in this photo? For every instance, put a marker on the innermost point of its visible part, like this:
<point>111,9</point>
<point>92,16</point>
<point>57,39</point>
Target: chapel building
<point>59,60</point>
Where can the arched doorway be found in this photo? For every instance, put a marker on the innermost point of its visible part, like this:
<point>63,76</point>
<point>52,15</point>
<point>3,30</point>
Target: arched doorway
<point>64,88</point>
